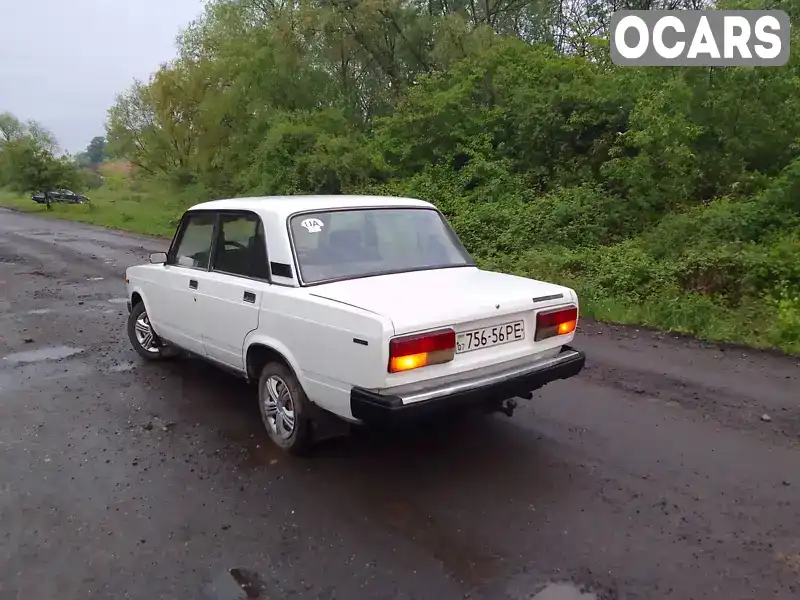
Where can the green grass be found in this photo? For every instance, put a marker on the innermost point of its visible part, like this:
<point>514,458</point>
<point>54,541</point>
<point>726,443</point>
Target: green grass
<point>149,211</point>
<point>153,210</point>
<point>698,316</point>
<point>702,316</point>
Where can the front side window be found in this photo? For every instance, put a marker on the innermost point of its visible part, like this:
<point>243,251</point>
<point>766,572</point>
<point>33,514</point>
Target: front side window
<point>194,244</point>
<point>345,244</point>
<point>241,247</point>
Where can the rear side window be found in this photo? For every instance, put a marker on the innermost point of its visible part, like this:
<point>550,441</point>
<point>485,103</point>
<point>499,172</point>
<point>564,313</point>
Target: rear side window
<point>241,246</point>
<point>194,244</point>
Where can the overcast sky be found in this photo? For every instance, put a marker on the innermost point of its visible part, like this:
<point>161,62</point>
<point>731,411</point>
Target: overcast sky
<point>63,61</point>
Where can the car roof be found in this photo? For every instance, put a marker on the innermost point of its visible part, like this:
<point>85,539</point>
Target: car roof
<point>283,206</point>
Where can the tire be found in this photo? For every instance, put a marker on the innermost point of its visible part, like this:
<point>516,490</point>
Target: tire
<point>283,383</point>
<point>138,316</point>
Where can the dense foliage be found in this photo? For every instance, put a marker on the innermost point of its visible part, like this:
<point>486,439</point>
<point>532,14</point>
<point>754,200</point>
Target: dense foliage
<point>668,196</point>
<point>28,161</point>
<point>95,153</point>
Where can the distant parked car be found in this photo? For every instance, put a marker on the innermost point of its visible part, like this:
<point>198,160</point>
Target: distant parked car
<point>65,196</point>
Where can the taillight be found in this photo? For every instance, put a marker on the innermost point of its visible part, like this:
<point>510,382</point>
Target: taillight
<point>556,322</point>
<point>415,351</point>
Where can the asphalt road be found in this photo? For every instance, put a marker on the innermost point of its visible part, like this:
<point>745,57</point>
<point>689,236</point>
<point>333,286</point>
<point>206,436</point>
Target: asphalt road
<point>651,475</point>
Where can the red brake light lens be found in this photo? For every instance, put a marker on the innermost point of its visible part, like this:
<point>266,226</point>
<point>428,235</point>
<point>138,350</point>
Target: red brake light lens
<point>415,351</point>
<point>556,322</point>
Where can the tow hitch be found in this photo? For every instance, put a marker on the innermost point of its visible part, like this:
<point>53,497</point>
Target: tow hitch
<point>508,406</point>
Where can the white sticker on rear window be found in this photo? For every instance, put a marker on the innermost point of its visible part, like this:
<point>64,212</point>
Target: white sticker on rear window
<point>312,225</point>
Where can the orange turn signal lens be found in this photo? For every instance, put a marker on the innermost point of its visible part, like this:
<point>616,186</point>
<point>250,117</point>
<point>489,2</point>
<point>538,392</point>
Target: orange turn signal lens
<point>567,327</point>
<point>406,363</point>
<point>560,321</point>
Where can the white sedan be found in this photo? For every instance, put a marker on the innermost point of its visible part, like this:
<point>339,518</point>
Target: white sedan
<point>366,309</point>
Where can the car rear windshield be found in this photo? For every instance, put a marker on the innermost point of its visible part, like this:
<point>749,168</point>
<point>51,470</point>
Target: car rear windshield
<point>346,244</point>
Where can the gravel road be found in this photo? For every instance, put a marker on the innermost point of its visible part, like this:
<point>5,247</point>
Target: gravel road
<point>667,469</point>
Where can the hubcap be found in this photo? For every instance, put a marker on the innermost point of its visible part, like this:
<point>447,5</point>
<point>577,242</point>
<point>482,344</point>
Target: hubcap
<point>144,333</point>
<point>279,407</point>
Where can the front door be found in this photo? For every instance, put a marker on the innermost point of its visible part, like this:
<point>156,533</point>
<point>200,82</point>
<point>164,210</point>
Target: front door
<point>233,289</point>
<point>182,283</point>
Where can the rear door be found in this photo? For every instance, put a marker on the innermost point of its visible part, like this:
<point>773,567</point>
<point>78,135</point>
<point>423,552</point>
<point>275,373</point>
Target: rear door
<point>234,286</point>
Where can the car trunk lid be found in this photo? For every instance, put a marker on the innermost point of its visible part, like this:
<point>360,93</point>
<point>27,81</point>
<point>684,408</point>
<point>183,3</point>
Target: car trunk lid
<point>422,300</point>
<point>478,304</point>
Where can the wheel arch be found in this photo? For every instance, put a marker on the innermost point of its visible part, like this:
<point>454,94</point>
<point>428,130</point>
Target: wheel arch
<point>137,296</point>
<point>259,351</point>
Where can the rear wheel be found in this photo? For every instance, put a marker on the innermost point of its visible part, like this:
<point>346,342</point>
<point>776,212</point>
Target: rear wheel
<point>142,337</point>
<point>284,409</point>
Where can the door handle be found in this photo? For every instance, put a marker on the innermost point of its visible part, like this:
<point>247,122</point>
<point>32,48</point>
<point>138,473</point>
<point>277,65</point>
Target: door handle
<point>250,297</point>
<point>193,284</point>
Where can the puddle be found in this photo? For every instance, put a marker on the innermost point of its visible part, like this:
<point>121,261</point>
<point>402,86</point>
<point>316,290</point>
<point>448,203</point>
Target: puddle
<point>31,376</point>
<point>236,583</point>
<point>118,300</point>
<point>122,367</point>
<point>40,311</point>
<point>42,354</point>
<point>527,586</point>
<point>563,591</point>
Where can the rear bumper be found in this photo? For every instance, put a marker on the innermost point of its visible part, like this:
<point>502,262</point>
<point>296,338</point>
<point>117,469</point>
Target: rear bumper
<point>521,380</point>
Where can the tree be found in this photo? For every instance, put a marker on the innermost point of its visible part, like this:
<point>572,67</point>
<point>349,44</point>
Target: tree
<point>94,154</point>
<point>134,132</point>
<point>11,128</point>
<point>33,168</point>
<point>96,150</point>
<point>16,139</point>
<point>41,136</point>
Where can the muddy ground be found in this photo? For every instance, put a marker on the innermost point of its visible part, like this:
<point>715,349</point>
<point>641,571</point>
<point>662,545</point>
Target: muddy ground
<point>654,474</point>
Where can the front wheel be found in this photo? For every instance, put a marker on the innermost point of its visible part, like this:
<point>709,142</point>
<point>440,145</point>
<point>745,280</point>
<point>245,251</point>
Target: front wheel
<point>284,409</point>
<point>142,337</point>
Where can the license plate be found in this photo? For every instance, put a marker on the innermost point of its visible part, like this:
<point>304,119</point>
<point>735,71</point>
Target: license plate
<point>487,337</point>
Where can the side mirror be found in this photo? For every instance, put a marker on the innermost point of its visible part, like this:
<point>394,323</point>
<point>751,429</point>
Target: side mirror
<point>158,258</point>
